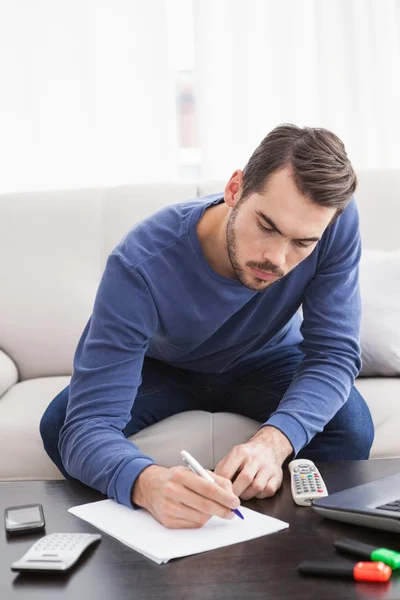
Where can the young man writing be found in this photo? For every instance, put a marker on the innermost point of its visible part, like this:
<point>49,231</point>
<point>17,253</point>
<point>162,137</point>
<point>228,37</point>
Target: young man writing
<point>198,309</point>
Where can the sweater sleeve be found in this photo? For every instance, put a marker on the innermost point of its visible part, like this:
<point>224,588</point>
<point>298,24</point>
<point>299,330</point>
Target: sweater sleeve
<point>107,373</point>
<point>330,330</point>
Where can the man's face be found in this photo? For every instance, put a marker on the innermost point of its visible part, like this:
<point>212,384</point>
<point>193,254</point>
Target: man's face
<point>270,233</point>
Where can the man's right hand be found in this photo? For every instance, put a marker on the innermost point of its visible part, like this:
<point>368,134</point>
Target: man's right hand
<point>180,499</point>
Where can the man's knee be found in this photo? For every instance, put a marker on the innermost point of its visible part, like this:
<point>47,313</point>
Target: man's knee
<point>355,420</point>
<point>348,435</point>
<point>46,428</point>
<point>53,420</point>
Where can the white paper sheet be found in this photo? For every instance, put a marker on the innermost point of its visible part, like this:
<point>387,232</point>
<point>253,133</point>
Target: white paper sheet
<point>140,531</point>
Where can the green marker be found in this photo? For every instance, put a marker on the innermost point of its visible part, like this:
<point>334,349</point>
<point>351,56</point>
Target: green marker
<point>389,557</point>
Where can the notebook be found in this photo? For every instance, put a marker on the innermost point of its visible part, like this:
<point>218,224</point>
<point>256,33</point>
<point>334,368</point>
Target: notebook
<point>139,530</point>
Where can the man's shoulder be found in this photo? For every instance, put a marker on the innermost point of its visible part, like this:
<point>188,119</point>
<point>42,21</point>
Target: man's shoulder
<point>161,230</point>
<point>343,236</point>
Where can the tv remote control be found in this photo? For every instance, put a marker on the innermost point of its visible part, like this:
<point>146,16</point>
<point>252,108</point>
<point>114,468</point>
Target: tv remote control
<point>306,482</point>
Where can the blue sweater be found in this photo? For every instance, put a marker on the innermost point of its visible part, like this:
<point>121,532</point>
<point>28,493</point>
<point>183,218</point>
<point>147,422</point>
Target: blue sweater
<point>159,297</point>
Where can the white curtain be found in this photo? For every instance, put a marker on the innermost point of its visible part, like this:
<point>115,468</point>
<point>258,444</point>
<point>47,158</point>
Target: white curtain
<point>86,95</point>
<point>326,63</point>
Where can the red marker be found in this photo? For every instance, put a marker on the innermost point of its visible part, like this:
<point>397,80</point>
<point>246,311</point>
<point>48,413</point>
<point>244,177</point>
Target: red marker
<point>361,571</point>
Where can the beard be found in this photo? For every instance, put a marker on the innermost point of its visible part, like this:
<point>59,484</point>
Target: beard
<point>251,282</point>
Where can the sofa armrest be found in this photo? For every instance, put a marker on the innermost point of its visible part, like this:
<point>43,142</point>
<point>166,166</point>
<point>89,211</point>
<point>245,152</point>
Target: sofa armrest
<point>8,372</point>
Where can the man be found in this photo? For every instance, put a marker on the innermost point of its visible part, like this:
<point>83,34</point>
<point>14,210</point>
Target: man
<point>198,308</point>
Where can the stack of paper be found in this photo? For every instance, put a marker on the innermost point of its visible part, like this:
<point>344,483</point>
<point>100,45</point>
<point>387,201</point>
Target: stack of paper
<point>139,530</point>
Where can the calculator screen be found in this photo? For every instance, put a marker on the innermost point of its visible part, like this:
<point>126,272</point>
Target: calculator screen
<point>19,516</point>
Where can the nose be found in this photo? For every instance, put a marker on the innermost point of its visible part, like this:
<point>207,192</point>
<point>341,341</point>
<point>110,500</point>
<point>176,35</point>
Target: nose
<point>276,254</point>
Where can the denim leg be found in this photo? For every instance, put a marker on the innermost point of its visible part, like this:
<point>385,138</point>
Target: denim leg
<point>257,393</point>
<point>164,391</point>
<point>347,436</point>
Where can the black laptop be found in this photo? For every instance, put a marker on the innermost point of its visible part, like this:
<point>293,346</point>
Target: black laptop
<point>375,504</point>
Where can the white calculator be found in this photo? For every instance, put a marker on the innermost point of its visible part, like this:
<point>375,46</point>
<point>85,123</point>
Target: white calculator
<point>55,552</point>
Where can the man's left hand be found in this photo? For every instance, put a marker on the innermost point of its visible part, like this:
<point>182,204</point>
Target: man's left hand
<point>257,464</point>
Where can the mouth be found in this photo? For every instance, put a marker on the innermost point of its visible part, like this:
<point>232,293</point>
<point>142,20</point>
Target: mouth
<point>266,275</point>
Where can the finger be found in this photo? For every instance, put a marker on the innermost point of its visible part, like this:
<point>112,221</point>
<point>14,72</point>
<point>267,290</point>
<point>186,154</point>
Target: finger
<point>230,465</point>
<point>197,506</point>
<point>224,482</point>
<point>189,513</point>
<point>258,485</point>
<point>273,484</point>
<point>245,478</point>
<point>228,486</point>
<point>171,508</point>
<point>208,490</point>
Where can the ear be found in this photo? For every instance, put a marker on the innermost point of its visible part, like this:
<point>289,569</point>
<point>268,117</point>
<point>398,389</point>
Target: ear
<point>234,188</point>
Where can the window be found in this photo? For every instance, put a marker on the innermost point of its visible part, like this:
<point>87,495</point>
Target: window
<point>182,65</point>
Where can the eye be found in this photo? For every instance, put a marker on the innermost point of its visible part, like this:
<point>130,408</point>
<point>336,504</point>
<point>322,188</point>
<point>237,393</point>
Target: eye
<point>263,228</point>
<point>304,245</point>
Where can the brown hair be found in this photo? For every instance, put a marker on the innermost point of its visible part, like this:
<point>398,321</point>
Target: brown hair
<point>320,167</point>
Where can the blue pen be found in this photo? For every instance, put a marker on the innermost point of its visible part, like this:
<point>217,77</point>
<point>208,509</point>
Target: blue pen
<point>199,470</point>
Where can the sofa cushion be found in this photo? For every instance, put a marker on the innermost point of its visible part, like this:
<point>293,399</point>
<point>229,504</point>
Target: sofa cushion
<point>382,394</point>
<point>207,436</point>
<point>22,455</point>
<point>380,322</point>
<point>8,372</point>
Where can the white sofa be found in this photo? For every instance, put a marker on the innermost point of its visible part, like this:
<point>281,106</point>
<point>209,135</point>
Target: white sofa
<point>53,248</point>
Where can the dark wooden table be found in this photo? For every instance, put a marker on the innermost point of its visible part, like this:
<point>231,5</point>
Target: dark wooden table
<point>261,568</point>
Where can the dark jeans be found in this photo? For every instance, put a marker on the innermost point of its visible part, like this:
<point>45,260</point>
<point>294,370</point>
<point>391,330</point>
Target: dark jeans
<point>255,393</point>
